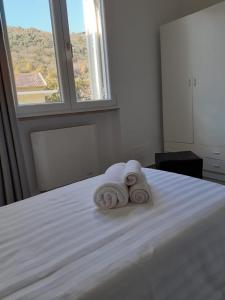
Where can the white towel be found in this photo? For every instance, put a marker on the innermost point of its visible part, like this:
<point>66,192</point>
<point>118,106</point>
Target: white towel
<point>112,192</point>
<point>140,193</point>
<point>132,173</point>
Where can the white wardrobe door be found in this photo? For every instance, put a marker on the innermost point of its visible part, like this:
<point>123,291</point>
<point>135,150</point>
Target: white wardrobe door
<point>177,51</point>
<point>209,94</point>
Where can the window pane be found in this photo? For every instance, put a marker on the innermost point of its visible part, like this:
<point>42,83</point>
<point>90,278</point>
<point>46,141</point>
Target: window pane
<point>32,51</point>
<point>88,49</point>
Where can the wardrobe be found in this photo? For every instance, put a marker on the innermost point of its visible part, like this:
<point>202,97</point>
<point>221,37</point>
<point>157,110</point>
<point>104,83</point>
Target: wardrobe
<point>193,83</point>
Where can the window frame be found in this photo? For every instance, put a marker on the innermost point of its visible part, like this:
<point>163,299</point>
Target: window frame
<point>63,55</point>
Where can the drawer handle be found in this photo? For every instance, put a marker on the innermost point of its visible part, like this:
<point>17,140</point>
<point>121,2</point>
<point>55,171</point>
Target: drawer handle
<point>216,166</point>
<point>217,153</point>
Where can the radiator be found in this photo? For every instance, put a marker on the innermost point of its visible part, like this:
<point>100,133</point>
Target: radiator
<point>64,156</point>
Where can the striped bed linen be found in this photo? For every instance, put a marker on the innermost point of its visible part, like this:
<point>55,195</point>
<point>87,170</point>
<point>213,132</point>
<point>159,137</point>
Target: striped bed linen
<point>59,246</point>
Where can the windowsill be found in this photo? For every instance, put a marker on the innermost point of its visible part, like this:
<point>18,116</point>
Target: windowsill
<point>33,115</point>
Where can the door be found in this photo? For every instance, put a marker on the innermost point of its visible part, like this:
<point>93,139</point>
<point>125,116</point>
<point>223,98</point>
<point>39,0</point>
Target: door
<point>209,70</point>
<point>177,53</point>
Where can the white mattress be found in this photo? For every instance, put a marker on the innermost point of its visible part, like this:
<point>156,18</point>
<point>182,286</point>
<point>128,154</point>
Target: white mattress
<point>59,246</point>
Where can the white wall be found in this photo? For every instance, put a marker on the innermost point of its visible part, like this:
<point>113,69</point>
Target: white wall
<point>135,130</point>
<point>136,72</point>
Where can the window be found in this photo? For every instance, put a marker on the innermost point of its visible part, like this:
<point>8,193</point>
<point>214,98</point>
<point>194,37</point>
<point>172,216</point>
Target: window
<point>57,54</point>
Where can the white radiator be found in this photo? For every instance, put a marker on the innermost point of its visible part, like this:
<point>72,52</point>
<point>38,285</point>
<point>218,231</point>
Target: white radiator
<point>64,156</point>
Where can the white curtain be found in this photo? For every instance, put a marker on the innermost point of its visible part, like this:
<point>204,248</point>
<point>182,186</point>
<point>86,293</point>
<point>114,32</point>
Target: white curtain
<point>93,29</point>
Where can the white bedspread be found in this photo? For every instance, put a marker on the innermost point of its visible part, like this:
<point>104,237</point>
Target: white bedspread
<point>59,246</point>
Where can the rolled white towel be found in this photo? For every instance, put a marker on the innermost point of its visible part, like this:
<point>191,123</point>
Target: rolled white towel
<point>140,193</point>
<point>112,192</point>
<point>132,173</point>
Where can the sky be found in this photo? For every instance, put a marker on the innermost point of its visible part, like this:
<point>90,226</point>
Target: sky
<point>36,13</point>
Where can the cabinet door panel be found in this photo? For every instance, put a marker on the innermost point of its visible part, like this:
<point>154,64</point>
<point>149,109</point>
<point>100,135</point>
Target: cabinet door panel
<point>177,78</point>
<point>209,69</point>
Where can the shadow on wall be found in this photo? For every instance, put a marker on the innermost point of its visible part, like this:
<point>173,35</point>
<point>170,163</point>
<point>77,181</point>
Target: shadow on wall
<point>190,6</point>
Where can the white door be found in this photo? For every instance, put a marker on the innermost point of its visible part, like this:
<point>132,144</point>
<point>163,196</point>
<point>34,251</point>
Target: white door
<point>209,70</point>
<point>177,52</point>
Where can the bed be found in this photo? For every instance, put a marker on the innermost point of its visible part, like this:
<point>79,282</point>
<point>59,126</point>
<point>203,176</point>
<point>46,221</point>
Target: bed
<point>59,246</point>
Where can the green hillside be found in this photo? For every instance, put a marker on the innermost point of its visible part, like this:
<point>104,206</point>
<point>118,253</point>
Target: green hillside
<point>33,51</point>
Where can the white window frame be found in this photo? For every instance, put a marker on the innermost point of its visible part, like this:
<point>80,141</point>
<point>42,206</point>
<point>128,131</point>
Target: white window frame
<point>61,35</point>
